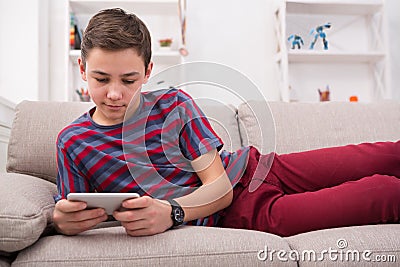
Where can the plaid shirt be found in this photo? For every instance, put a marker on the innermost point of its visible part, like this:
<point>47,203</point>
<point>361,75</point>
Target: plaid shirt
<point>150,153</point>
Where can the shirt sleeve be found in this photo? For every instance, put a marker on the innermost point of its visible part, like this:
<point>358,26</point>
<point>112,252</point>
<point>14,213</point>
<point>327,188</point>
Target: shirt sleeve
<point>196,137</point>
<point>69,178</point>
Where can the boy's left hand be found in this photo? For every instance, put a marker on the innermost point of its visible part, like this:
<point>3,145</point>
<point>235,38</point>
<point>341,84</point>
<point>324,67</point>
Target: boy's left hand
<point>144,216</point>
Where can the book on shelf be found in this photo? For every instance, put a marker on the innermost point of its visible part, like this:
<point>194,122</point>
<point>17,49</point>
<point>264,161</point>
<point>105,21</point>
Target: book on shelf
<point>75,34</point>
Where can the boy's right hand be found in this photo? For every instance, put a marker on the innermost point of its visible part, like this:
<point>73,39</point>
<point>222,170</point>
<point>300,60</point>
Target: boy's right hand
<point>71,217</point>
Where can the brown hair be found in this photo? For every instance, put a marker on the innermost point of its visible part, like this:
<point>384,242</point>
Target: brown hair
<point>114,29</point>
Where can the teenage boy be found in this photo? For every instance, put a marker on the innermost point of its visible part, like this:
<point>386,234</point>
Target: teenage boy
<point>160,145</point>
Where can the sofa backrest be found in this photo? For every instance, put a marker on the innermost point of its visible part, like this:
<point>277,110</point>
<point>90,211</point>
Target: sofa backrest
<point>288,127</point>
<point>305,126</point>
<point>32,145</point>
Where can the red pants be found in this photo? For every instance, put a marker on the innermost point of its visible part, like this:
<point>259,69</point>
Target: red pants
<point>318,189</point>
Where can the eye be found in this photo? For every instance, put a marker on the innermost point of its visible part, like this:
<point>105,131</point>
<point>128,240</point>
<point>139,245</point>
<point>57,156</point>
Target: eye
<point>101,80</point>
<point>129,81</point>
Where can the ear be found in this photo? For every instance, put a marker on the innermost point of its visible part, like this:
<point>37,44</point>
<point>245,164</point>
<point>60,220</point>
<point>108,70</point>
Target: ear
<point>82,69</point>
<point>148,72</point>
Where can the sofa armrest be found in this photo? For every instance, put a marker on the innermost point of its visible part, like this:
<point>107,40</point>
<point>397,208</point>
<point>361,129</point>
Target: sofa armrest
<point>26,210</point>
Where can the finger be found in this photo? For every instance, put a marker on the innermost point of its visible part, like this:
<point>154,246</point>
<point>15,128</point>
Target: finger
<point>135,225</point>
<point>67,206</point>
<point>129,215</point>
<point>141,232</point>
<point>73,228</point>
<point>88,224</point>
<point>85,215</point>
<point>137,203</point>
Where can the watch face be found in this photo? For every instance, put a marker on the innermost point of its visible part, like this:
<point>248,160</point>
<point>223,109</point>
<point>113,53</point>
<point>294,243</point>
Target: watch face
<point>178,215</point>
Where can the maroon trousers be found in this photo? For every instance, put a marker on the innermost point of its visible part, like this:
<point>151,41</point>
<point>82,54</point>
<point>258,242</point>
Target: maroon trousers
<point>318,189</point>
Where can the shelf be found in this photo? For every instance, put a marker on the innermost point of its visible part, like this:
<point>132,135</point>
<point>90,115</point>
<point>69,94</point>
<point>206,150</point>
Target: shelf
<point>5,132</point>
<point>74,54</point>
<point>342,7</point>
<point>172,53</point>
<point>7,109</point>
<point>95,2</point>
<point>357,48</point>
<point>311,56</point>
<point>7,103</point>
<point>139,6</point>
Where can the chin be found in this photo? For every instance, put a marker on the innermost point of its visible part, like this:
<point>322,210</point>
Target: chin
<point>116,120</point>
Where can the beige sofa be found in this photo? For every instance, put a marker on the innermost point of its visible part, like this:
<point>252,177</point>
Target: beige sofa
<point>26,194</point>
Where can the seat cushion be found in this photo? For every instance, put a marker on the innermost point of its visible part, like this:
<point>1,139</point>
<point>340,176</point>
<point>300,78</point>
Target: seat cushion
<point>185,246</point>
<point>26,210</point>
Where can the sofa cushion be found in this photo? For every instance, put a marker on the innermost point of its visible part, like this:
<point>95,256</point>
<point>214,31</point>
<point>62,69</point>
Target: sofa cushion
<point>223,119</point>
<point>26,210</point>
<point>6,258</point>
<point>4,262</point>
<point>186,246</point>
<point>257,126</point>
<point>382,241</point>
<point>32,145</point>
<point>305,126</point>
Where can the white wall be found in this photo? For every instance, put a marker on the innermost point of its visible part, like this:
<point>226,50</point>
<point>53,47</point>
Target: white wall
<point>236,33</point>
<point>59,42</point>
<point>233,32</point>
<point>23,56</point>
<point>393,21</point>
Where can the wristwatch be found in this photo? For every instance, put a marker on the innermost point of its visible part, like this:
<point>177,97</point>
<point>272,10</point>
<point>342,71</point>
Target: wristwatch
<point>177,213</point>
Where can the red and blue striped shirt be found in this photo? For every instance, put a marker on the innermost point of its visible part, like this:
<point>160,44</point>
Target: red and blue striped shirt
<point>149,153</point>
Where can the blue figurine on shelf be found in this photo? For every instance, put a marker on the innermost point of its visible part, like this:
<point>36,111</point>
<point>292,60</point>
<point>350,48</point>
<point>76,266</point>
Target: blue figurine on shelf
<point>296,41</point>
<point>320,33</point>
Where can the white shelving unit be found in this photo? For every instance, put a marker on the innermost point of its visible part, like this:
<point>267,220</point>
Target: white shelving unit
<point>160,16</point>
<point>7,110</point>
<point>356,61</point>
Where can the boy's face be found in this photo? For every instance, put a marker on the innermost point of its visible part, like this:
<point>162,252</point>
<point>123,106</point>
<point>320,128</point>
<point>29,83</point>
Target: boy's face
<point>114,78</point>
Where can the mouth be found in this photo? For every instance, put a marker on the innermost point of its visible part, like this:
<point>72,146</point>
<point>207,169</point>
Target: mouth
<point>114,106</point>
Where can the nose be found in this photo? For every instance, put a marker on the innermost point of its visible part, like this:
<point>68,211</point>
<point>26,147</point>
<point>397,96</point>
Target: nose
<point>114,92</point>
